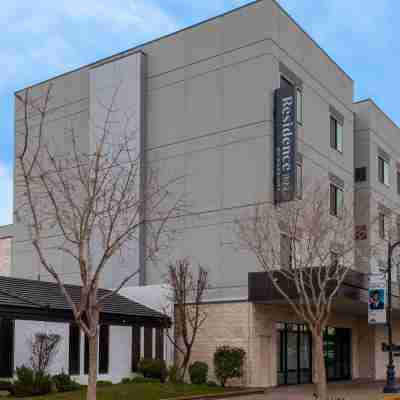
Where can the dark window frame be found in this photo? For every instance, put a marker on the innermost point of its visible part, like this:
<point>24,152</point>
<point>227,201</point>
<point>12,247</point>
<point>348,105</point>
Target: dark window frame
<point>334,125</point>
<point>148,342</point>
<point>334,207</point>
<point>382,224</point>
<point>7,347</point>
<point>383,173</point>
<point>104,349</point>
<point>136,346</point>
<point>74,351</point>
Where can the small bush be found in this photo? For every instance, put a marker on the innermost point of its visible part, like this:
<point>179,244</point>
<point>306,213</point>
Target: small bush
<point>212,384</point>
<point>101,383</point>
<point>64,383</point>
<point>173,374</point>
<point>228,363</point>
<point>198,372</point>
<point>125,381</point>
<point>153,368</point>
<point>31,383</point>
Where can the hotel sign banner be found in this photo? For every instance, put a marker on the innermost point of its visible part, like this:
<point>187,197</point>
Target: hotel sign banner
<point>285,134</point>
<point>377,299</point>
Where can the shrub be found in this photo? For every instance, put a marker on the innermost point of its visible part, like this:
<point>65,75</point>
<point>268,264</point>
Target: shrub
<point>125,381</point>
<point>198,372</point>
<point>173,374</point>
<point>153,368</point>
<point>64,383</point>
<point>104,383</point>
<point>212,384</point>
<point>228,363</point>
<point>31,383</point>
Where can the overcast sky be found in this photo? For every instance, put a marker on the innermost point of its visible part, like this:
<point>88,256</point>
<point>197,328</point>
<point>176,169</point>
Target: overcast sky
<point>52,37</point>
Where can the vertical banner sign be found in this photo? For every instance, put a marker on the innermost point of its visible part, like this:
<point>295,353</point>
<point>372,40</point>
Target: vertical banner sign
<point>377,299</point>
<point>285,144</point>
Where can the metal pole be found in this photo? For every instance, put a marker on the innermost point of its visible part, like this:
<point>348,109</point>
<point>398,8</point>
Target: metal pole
<point>390,386</point>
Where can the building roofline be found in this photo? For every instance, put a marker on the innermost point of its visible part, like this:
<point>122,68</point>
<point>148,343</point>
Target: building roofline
<point>138,47</point>
<point>370,100</point>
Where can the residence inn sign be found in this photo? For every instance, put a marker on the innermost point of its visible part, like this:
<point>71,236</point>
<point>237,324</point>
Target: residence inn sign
<point>285,144</point>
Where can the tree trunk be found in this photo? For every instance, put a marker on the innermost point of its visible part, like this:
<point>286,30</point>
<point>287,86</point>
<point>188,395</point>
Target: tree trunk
<point>92,383</point>
<point>319,367</point>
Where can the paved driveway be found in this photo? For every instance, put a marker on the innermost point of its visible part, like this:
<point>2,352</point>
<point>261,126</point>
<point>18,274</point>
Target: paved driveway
<point>337,391</point>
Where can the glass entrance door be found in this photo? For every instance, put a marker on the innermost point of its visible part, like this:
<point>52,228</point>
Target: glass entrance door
<point>295,358</point>
<point>294,354</point>
<point>337,351</point>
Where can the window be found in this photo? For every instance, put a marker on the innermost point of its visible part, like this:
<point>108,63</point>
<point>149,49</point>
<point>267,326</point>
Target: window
<point>286,252</point>
<point>74,349</point>
<point>104,348</point>
<point>334,259</point>
<point>86,357</point>
<point>159,344</point>
<point>299,180</point>
<point>336,199</point>
<point>6,348</point>
<point>299,105</point>
<point>148,342</point>
<point>398,182</point>
<point>360,174</point>
<point>135,347</point>
<point>336,129</point>
<point>381,222</point>
<point>383,170</point>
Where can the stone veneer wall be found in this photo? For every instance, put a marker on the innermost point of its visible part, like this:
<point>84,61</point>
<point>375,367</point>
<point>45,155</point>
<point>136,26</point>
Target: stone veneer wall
<point>5,256</point>
<point>252,327</point>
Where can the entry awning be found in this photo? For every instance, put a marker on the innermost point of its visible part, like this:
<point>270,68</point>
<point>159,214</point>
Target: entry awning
<point>44,301</point>
<point>352,297</point>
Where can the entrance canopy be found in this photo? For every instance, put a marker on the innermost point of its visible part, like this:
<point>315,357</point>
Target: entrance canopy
<point>352,297</point>
<point>43,301</point>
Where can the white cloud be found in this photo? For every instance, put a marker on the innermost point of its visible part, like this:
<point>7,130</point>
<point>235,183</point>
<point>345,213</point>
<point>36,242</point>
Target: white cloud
<point>6,190</point>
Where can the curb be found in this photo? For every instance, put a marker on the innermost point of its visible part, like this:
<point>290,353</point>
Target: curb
<point>224,395</point>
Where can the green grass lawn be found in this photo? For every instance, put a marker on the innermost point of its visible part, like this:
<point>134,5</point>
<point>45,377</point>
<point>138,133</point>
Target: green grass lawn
<point>133,391</point>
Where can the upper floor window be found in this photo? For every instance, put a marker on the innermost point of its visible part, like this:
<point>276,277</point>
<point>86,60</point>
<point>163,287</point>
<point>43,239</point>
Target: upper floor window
<point>398,182</point>
<point>286,252</point>
<point>299,105</point>
<point>336,134</point>
<point>336,199</point>
<point>334,259</point>
<point>383,170</point>
<point>285,82</point>
<point>299,180</point>
<point>382,224</point>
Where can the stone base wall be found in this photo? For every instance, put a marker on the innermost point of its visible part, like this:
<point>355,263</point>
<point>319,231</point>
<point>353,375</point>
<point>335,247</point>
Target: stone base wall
<point>253,328</point>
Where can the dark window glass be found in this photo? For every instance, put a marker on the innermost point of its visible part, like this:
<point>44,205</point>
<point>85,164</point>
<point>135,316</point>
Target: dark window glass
<point>299,180</point>
<point>381,219</point>
<point>334,259</point>
<point>336,134</point>
<point>86,356</point>
<point>360,174</point>
<point>6,347</point>
<point>74,349</point>
<point>104,348</point>
<point>148,342</point>
<point>135,347</point>
<point>160,343</point>
<point>398,182</point>
<point>336,199</point>
<point>286,252</point>
<point>383,171</point>
<point>285,83</point>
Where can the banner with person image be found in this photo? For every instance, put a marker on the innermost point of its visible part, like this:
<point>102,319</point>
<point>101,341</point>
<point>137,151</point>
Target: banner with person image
<point>377,299</point>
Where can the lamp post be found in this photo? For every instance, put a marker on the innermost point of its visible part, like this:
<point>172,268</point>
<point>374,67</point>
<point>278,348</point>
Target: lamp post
<point>390,386</point>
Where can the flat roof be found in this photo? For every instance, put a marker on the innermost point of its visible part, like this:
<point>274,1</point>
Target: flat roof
<point>139,46</point>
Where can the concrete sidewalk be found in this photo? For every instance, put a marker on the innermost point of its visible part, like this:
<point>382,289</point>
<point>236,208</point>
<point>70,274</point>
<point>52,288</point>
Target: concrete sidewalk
<point>356,390</point>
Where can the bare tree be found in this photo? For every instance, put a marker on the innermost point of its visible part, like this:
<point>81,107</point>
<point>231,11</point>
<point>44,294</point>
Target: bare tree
<point>306,248</point>
<point>93,198</point>
<point>44,347</point>
<point>187,289</point>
